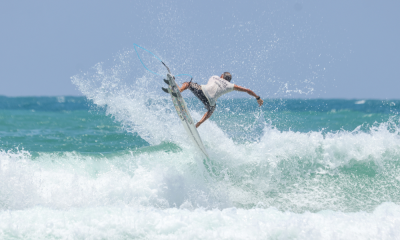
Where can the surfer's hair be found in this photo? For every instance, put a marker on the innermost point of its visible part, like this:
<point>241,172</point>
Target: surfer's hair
<point>227,76</point>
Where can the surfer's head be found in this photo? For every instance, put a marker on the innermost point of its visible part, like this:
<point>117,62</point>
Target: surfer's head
<point>227,76</point>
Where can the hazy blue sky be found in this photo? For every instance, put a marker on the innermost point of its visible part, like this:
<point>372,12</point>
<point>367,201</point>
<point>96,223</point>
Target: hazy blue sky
<point>280,48</point>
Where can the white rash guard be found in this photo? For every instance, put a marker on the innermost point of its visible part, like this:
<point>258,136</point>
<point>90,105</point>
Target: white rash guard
<point>215,88</point>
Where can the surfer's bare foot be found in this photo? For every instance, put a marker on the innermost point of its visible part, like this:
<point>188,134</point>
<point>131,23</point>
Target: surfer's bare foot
<point>185,86</point>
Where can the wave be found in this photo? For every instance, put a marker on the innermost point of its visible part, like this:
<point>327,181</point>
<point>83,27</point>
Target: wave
<point>343,171</point>
<point>297,171</point>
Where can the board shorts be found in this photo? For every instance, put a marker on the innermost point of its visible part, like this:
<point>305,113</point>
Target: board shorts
<point>198,92</point>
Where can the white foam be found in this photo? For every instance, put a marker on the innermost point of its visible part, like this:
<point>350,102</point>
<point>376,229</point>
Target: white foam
<point>68,180</point>
<point>126,222</point>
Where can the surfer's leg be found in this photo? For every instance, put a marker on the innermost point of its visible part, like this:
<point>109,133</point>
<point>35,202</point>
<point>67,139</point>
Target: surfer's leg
<point>207,115</point>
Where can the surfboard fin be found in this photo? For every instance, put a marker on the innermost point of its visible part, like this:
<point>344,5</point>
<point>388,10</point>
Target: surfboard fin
<point>165,90</point>
<point>166,81</point>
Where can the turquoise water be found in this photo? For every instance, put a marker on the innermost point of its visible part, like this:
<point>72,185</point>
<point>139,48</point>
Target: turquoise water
<point>119,165</point>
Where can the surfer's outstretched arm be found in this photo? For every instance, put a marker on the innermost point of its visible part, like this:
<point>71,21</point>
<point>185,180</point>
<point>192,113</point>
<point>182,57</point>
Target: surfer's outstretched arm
<point>206,116</point>
<point>242,89</point>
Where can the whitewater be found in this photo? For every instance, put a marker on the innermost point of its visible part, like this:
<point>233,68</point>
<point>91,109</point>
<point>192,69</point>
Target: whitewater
<point>110,165</point>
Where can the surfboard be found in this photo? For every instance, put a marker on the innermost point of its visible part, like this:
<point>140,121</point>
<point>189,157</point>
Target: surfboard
<point>183,113</point>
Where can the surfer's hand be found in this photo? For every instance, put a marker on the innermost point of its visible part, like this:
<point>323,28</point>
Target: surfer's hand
<point>198,124</point>
<point>260,102</point>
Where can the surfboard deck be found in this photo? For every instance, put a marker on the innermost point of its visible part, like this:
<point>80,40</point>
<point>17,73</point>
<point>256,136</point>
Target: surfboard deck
<point>183,113</point>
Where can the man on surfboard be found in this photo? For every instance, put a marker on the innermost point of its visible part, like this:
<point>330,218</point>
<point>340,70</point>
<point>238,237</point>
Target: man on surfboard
<point>215,88</point>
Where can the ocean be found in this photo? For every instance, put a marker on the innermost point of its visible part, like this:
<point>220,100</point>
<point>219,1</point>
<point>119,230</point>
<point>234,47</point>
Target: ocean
<point>116,163</point>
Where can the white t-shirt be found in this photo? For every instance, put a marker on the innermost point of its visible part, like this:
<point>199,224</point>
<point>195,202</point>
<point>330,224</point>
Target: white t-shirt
<point>215,88</point>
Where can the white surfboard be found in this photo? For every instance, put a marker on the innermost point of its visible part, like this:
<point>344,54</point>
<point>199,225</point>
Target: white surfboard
<point>183,113</point>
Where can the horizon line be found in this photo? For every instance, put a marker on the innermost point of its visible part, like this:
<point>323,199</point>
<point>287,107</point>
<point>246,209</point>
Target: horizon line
<point>294,98</point>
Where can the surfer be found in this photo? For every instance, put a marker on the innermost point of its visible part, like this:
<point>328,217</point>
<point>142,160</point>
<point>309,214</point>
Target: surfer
<point>215,88</point>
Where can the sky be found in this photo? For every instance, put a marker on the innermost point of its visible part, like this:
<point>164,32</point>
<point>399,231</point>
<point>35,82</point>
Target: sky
<point>278,48</point>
